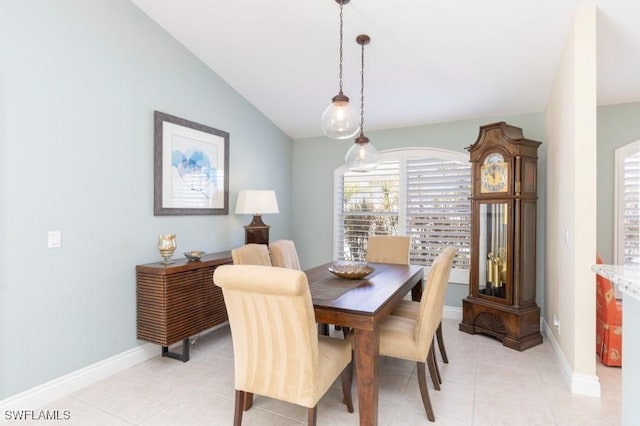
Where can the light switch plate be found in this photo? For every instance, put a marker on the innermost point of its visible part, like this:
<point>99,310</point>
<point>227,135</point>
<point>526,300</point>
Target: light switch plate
<point>53,240</point>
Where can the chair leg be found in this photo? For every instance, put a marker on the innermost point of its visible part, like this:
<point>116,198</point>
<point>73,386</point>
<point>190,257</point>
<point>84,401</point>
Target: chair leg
<point>312,414</point>
<point>345,378</point>
<point>248,400</point>
<point>443,351</point>
<point>345,332</point>
<point>435,363</point>
<point>432,369</point>
<point>239,405</point>
<point>323,329</point>
<point>424,392</point>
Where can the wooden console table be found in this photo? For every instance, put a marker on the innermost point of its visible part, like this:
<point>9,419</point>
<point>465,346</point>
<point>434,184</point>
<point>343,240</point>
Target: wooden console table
<point>179,300</point>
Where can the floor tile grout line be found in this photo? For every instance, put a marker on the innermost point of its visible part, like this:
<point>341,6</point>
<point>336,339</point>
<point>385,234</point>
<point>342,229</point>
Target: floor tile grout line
<point>465,352</point>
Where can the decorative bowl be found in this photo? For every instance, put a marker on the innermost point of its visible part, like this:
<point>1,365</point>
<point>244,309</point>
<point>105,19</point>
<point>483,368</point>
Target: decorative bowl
<point>193,255</point>
<point>350,270</point>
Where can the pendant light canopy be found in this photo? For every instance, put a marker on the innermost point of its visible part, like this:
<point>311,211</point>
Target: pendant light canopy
<point>340,119</point>
<point>362,156</point>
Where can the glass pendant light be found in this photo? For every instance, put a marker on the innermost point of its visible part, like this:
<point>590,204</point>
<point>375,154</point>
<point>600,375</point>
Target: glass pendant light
<point>340,119</point>
<point>362,156</point>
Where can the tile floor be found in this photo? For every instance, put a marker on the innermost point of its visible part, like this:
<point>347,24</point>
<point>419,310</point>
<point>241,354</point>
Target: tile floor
<point>484,384</point>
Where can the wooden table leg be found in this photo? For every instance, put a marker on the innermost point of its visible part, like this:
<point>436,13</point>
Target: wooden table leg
<point>416,292</point>
<point>367,349</point>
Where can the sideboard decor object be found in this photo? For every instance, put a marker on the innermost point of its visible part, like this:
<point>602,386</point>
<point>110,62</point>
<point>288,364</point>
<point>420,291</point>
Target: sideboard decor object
<point>166,247</point>
<point>257,202</point>
<point>177,301</point>
<point>194,255</point>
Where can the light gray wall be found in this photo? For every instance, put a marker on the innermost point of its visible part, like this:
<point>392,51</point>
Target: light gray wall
<point>79,81</point>
<point>315,159</point>
<point>618,125</point>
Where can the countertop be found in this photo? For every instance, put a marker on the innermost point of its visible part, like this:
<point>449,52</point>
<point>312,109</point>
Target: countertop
<point>625,277</point>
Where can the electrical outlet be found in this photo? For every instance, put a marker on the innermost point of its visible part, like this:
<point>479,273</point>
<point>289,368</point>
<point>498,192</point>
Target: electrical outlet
<point>556,323</point>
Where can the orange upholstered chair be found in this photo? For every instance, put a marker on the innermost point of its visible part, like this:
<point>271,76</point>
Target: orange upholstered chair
<point>608,322</point>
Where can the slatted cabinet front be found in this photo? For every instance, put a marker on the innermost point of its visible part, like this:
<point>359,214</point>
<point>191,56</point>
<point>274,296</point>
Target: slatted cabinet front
<point>179,300</point>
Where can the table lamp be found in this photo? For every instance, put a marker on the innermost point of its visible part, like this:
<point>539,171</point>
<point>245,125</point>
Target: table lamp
<point>257,203</point>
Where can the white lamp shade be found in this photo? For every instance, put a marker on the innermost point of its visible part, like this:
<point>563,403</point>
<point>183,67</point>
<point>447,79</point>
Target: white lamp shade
<point>257,202</point>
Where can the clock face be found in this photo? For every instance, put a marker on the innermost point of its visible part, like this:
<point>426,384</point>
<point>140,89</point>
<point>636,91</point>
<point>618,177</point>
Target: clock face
<point>494,174</point>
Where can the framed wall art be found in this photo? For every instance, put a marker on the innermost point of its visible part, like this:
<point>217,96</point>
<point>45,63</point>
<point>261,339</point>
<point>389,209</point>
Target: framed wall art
<point>191,168</point>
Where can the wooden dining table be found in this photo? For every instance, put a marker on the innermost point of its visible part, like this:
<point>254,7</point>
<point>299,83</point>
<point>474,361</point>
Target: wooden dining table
<point>361,305</point>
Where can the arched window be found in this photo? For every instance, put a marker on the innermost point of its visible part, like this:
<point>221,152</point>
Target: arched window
<point>421,192</point>
<point>627,205</point>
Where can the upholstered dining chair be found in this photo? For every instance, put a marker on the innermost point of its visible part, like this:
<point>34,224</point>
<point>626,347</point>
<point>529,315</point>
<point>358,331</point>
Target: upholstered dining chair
<point>395,249</point>
<point>388,249</point>
<point>608,322</point>
<point>412,339</point>
<point>251,254</point>
<point>289,362</point>
<point>284,254</point>
<point>409,309</point>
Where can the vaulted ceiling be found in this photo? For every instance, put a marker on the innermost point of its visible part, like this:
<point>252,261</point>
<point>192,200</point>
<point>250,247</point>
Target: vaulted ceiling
<point>429,61</point>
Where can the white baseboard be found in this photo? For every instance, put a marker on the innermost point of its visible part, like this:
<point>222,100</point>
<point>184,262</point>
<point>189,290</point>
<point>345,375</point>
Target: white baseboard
<point>452,312</point>
<point>586,384</point>
<point>55,389</point>
<point>582,384</point>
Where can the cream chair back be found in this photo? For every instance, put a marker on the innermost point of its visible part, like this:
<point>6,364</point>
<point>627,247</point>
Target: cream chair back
<point>432,303</point>
<point>251,254</point>
<point>278,362</point>
<point>289,362</point>
<point>411,339</point>
<point>388,249</point>
<point>284,254</point>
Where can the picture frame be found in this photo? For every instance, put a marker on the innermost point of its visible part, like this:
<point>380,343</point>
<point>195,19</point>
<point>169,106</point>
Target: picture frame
<point>191,168</point>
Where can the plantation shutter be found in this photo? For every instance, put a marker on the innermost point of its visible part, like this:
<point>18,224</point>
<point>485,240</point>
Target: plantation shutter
<point>630,228</point>
<point>422,192</point>
<point>367,204</point>
<point>438,210</point>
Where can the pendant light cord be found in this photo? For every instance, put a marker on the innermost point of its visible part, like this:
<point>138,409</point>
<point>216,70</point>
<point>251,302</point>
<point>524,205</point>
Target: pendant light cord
<point>362,39</point>
<point>362,91</point>
<point>340,66</point>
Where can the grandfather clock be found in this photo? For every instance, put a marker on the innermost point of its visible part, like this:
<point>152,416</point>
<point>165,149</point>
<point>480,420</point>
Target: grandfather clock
<point>502,278</point>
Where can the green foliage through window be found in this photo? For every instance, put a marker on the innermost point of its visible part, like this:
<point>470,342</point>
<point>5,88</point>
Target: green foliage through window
<point>420,193</point>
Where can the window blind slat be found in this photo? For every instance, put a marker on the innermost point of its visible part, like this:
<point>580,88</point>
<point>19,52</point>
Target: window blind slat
<point>627,208</point>
<point>438,208</point>
<point>631,209</point>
